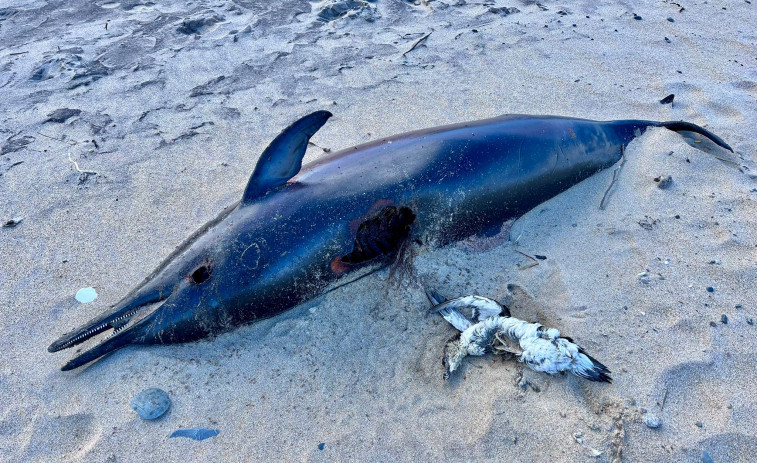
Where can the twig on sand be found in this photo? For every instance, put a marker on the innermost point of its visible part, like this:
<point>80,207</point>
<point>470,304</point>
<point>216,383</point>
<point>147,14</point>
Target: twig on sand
<point>420,41</point>
<point>325,150</point>
<point>725,160</point>
<point>86,172</point>
<point>664,397</point>
<point>532,264</point>
<point>614,177</point>
<point>70,142</point>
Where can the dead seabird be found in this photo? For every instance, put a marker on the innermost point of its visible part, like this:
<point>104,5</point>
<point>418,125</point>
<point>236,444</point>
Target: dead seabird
<point>491,328</point>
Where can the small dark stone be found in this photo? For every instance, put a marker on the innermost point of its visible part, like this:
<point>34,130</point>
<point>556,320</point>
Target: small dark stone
<point>699,424</point>
<point>668,99</point>
<point>710,289</point>
<point>198,24</point>
<point>321,446</point>
<point>636,17</point>
<point>671,19</point>
<point>724,319</point>
<point>665,183</point>
<point>738,306</point>
<point>713,324</point>
<point>678,216</point>
<point>503,11</point>
<point>540,257</point>
<point>12,222</point>
<point>667,39</point>
<point>750,321</point>
<point>348,8</point>
<point>62,115</point>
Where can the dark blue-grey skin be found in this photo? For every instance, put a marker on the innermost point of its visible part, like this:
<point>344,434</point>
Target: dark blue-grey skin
<point>296,233</point>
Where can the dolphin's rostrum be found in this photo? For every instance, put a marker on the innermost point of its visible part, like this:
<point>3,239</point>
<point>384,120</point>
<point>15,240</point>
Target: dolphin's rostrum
<point>298,232</point>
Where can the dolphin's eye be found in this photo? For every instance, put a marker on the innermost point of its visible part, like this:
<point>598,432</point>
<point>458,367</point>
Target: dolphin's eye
<point>201,275</point>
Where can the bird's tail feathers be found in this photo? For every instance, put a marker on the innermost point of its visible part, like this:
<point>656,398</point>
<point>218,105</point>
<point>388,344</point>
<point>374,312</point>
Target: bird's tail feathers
<point>590,368</point>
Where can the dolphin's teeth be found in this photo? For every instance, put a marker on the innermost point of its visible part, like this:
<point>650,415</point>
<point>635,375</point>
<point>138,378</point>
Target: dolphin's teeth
<point>99,328</point>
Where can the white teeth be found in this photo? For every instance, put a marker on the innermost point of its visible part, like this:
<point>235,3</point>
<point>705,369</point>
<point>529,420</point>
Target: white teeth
<point>101,327</point>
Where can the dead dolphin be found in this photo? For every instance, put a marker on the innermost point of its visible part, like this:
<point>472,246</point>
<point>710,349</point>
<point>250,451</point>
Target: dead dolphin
<point>298,232</point>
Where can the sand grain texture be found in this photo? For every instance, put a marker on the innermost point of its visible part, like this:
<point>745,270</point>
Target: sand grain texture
<point>165,107</point>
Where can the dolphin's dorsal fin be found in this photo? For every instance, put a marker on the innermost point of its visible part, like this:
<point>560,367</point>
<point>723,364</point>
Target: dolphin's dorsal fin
<point>283,157</point>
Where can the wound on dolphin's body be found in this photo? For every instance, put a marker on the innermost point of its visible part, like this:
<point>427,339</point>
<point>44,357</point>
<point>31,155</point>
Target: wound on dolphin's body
<point>381,235</point>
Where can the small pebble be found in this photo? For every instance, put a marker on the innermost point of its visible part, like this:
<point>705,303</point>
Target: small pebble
<point>713,324</point>
<point>321,446</point>
<point>710,289</point>
<point>151,403</point>
<point>724,319</point>
<point>706,458</point>
<point>671,19</point>
<point>665,183</point>
<point>699,424</point>
<point>636,17</point>
<point>668,99</point>
<point>750,321</point>
<point>86,295</point>
<point>652,421</point>
<point>12,222</point>
<point>738,306</point>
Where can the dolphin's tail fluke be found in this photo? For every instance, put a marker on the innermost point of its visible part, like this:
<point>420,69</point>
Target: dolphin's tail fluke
<point>627,130</point>
<point>681,126</point>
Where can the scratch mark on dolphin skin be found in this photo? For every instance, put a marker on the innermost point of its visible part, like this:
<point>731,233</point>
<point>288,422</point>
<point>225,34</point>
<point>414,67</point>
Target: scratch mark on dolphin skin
<point>257,261</point>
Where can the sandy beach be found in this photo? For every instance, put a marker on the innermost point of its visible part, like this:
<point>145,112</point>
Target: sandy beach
<point>126,125</point>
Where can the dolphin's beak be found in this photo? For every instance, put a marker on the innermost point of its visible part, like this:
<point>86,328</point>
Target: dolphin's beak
<point>127,319</point>
<point>117,340</point>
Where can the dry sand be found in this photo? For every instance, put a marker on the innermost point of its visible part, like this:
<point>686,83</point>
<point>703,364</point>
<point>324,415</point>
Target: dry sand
<point>177,100</point>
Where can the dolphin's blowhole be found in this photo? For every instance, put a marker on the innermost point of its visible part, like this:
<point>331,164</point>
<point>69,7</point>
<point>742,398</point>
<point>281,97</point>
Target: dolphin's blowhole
<point>201,275</point>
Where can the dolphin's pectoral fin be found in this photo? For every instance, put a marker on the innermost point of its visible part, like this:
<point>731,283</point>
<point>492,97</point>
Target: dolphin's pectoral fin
<point>381,235</point>
<point>283,157</point>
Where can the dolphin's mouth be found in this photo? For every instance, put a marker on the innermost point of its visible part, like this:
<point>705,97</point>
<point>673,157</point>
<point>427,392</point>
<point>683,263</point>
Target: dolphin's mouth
<point>117,322</point>
<point>122,319</point>
<point>130,319</point>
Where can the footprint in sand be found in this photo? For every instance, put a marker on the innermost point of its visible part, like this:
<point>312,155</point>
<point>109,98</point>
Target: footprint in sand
<point>69,435</point>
